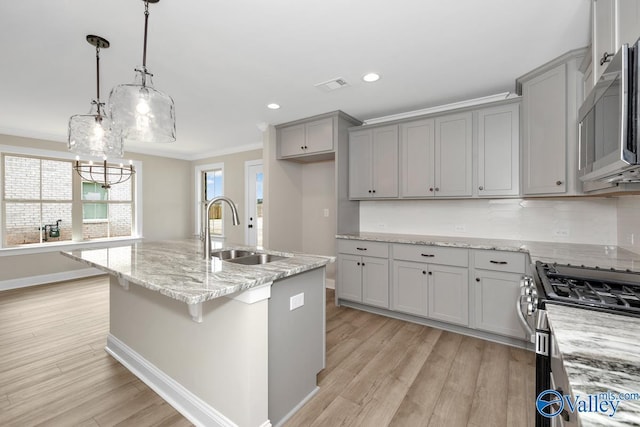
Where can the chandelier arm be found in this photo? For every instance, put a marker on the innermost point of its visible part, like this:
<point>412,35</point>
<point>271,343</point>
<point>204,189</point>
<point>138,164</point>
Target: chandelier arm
<point>98,79</point>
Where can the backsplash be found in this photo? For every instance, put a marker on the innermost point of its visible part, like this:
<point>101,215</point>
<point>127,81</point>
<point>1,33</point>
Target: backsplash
<point>579,220</point>
<point>629,223</point>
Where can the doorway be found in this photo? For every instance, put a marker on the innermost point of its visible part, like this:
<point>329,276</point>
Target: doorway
<point>254,197</point>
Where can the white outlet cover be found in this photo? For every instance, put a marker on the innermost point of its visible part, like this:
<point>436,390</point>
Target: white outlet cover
<point>296,301</point>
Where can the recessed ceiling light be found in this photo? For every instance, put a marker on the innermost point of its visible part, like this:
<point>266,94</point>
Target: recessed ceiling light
<point>273,106</point>
<point>371,77</point>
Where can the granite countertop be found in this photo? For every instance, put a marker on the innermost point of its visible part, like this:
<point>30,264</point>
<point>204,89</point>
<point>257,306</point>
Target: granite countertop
<point>176,268</point>
<point>600,353</point>
<point>604,256</point>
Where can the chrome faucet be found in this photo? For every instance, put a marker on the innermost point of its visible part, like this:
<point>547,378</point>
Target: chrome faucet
<point>205,220</point>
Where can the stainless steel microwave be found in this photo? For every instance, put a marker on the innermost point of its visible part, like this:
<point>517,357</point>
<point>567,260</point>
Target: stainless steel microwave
<point>608,148</point>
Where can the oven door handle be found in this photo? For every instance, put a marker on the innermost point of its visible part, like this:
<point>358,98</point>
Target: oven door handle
<point>530,332</point>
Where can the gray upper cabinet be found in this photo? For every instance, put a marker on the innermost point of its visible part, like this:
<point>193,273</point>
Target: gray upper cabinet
<point>453,156</point>
<point>436,157</point>
<point>417,167</point>
<point>498,139</point>
<point>305,139</point>
<point>373,163</point>
<point>544,136</point>
<point>615,22</point>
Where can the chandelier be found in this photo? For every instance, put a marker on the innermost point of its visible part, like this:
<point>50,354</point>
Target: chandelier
<point>138,111</point>
<point>91,134</point>
<point>104,174</point>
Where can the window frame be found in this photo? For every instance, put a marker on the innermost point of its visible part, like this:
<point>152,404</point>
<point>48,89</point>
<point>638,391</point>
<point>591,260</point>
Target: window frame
<point>199,194</point>
<point>136,202</point>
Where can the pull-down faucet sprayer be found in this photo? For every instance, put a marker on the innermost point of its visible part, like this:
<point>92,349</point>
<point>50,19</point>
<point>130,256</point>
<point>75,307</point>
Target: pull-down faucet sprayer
<point>205,220</point>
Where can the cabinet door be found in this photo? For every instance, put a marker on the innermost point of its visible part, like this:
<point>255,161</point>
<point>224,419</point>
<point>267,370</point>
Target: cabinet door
<point>453,155</point>
<point>360,185</point>
<point>349,284</point>
<point>496,294</point>
<point>544,108</point>
<point>417,158</point>
<point>385,162</point>
<point>498,151</point>
<point>292,140</point>
<point>409,288</point>
<point>319,136</point>
<point>628,20</point>
<point>375,281</point>
<point>604,33</point>
<point>448,294</point>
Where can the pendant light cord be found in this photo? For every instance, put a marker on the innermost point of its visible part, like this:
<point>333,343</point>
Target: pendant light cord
<point>98,79</point>
<point>146,26</point>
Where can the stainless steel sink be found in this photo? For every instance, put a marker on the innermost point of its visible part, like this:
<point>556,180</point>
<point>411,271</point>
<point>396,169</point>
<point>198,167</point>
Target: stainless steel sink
<point>231,254</point>
<point>256,259</point>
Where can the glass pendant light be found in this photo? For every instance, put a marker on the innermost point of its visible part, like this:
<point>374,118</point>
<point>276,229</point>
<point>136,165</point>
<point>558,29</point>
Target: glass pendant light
<point>90,134</point>
<point>139,112</point>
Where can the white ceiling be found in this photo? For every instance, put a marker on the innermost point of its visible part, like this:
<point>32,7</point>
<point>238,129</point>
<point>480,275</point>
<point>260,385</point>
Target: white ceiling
<point>223,61</point>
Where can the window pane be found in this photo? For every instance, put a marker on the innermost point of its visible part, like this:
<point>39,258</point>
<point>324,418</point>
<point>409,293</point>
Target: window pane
<point>21,178</point>
<point>56,180</point>
<point>22,223</point>
<point>213,184</point>
<point>93,191</point>
<point>121,192</point>
<point>51,213</point>
<point>119,220</point>
<point>94,211</point>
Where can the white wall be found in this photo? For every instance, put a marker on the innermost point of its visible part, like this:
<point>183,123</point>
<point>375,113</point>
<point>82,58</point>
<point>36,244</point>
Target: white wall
<point>575,220</point>
<point>629,222</point>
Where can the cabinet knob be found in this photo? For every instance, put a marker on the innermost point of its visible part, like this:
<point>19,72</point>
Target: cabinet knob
<point>437,189</point>
<point>373,191</point>
<point>302,147</point>
<point>424,272</point>
<point>431,273</point>
<point>481,188</point>
<point>305,147</point>
<point>477,279</point>
<point>431,189</point>
<point>369,191</point>
<point>558,182</point>
<point>357,263</point>
<point>606,57</point>
<point>362,264</point>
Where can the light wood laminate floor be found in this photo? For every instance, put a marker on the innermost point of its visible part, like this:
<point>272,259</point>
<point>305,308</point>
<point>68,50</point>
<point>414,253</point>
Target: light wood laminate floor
<point>380,371</point>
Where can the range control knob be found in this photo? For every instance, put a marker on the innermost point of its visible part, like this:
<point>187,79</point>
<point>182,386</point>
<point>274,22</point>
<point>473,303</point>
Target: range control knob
<point>531,309</point>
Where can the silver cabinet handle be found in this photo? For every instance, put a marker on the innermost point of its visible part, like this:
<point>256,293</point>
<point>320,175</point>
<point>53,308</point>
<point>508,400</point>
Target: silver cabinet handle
<point>427,255</point>
<point>498,262</point>
<point>361,249</point>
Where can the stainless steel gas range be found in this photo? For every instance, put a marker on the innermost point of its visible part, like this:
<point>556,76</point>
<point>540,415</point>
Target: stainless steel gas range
<point>608,290</point>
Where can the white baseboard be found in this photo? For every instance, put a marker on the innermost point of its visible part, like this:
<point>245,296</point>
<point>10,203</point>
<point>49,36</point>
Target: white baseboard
<point>191,406</point>
<point>297,407</point>
<point>45,279</point>
<point>329,283</point>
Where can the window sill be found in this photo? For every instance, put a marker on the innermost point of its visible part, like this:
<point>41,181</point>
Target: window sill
<point>37,248</point>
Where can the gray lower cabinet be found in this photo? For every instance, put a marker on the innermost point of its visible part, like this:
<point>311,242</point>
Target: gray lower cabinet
<point>496,284</point>
<point>496,293</point>
<point>363,279</point>
<point>439,292</point>
<point>431,282</point>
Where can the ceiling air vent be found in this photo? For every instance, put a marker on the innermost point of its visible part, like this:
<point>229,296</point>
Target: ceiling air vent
<point>332,84</point>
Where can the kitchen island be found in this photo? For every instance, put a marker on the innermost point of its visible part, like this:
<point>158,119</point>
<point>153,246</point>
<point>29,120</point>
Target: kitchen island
<point>224,343</point>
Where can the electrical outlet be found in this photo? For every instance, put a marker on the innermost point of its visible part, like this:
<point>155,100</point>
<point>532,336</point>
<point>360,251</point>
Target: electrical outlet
<point>460,227</point>
<point>382,225</point>
<point>561,232</point>
<point>325,212</point>
<point>296,301</point>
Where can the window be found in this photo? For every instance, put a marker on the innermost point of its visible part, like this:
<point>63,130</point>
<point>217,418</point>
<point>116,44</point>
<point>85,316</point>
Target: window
<point>209,180</point>
<point>39,204</point>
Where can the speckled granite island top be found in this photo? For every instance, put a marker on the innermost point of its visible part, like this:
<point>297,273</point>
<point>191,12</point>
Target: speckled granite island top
<point>176,268</point>
<point>563,253</point>
<point>600,353</point>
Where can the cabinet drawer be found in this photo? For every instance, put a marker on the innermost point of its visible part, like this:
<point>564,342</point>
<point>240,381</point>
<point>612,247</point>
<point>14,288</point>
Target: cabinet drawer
<point>432,254</point>
<point>513,262</point>
<point>364,248</point>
